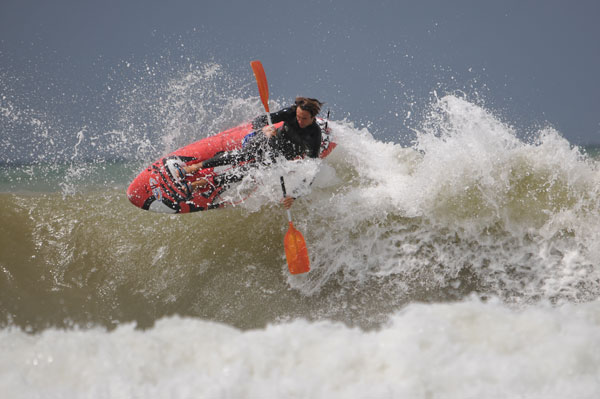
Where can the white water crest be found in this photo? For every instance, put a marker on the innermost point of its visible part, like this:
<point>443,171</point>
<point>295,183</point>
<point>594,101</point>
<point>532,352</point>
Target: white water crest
<point>468,198</point>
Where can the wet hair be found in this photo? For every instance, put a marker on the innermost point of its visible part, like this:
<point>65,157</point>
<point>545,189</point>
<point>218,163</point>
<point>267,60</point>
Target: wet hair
<point>311,105</point>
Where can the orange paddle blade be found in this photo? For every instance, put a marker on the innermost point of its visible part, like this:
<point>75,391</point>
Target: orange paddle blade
<point>261,81</point>
<point>295,251</point>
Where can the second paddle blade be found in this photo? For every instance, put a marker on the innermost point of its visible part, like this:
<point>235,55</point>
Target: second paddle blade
<point>261,81</point>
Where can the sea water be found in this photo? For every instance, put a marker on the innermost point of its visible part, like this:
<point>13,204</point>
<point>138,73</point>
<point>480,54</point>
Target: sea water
<point>463,265</point>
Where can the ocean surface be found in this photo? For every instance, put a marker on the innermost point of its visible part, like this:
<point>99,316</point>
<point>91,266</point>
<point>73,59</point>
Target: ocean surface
<point>464,265</point>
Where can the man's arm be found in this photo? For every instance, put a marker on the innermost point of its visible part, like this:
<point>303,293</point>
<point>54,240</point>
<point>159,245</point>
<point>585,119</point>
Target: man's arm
<point>280,116</point>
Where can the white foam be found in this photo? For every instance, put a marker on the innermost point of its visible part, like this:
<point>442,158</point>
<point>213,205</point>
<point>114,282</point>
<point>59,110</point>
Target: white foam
<point>468,349</point>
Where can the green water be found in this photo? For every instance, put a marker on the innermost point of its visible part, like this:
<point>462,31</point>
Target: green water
<point>67,178</point>
<point>593,151</point>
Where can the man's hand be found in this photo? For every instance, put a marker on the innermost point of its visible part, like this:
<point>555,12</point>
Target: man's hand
<point>288,202</point>
<point>269,131</point>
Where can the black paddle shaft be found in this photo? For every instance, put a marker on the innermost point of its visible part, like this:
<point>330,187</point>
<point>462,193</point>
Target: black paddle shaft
<point>282,185</point>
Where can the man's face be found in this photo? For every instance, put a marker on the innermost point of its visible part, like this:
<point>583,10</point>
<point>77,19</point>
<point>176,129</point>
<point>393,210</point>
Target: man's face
<point>304,118</point>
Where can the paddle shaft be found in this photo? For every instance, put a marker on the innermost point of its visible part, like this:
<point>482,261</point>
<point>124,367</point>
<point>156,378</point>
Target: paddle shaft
<point>263,89</point>
<point>289,214</point>
<point>284,195</point>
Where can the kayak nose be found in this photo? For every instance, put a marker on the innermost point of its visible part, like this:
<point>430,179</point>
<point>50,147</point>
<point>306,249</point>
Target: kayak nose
<point>138,191</point>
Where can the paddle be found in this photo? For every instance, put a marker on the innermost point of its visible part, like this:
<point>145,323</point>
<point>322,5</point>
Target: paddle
<point>295,246</point>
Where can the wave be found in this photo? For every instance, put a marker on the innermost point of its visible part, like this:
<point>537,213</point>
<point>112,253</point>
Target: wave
<point>468,208</point>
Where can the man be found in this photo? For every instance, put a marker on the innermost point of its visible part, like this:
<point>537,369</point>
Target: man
<point>299,136</point>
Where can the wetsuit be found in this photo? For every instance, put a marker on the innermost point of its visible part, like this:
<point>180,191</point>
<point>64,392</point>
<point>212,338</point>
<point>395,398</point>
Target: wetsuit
<point>291,141</point>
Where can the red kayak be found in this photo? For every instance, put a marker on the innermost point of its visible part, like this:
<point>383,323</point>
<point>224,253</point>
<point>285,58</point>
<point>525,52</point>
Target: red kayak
<point>156,190</point>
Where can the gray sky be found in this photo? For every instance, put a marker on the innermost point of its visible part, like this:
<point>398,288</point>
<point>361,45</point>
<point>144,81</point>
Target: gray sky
<point>531,62</point>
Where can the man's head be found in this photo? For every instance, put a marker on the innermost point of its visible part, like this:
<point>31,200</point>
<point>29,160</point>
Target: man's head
<point>306,110</point>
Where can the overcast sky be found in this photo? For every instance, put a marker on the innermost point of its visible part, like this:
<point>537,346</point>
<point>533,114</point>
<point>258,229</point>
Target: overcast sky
<point>532,62</point>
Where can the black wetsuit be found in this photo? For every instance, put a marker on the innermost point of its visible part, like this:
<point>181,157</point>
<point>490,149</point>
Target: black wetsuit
<point>291,141</point>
